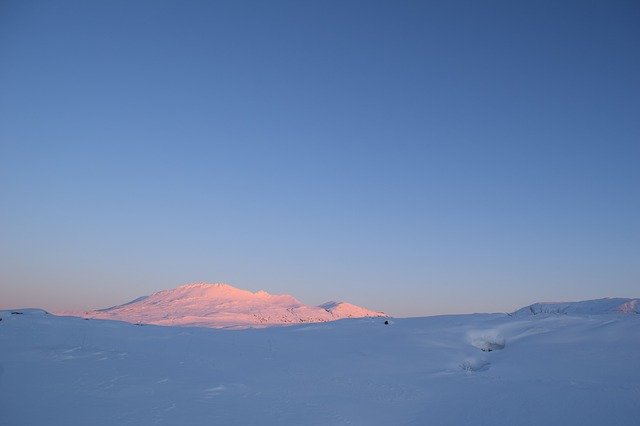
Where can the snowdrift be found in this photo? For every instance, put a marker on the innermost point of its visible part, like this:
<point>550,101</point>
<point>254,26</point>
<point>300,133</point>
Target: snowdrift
<point>480,369</point>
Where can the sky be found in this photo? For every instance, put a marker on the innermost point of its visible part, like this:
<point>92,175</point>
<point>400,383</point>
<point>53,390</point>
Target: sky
<point>415,157</point>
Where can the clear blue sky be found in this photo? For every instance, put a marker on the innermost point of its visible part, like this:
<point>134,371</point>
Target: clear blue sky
<point>414,157</point>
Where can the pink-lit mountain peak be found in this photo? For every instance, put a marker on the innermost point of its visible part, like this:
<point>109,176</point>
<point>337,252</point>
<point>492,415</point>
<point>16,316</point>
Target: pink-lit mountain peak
<point>208,292</point>
<point>205,293</point>
<point>221,305</point>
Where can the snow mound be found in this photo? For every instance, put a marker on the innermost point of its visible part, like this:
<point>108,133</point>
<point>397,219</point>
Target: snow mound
<point>472,364</point>
<point>224,306</point>
<point>585,307</point>
<point>487,340</point>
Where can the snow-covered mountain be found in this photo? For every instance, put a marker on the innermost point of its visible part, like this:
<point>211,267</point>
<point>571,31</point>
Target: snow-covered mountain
<point>585,307</point>
<point>224,306</point>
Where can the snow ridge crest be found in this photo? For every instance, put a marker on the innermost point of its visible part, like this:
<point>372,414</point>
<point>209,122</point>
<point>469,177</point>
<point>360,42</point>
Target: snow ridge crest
<point>585,307</point>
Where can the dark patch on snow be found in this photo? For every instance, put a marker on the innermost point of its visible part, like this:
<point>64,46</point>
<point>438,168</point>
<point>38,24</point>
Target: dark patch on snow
<point>489,343</point>
<point>492,346</point>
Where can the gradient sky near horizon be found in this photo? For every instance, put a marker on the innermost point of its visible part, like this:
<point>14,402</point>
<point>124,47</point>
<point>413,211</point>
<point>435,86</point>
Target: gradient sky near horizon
<point>416,157</point>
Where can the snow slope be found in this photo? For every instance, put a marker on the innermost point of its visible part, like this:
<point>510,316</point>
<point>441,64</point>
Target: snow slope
<point>224,306</point>
<point>480,369</point>
<point>585,307</point>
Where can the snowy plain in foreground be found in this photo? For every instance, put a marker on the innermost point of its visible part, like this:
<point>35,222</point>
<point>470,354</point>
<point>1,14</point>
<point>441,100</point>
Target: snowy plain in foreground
<point>553,369</point>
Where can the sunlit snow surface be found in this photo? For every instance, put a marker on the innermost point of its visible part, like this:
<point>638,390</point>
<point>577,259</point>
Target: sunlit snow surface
<point>224,306</point>
<point>541,369</point>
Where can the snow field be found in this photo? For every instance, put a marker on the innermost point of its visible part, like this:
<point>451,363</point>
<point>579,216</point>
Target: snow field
<point>565,370</point>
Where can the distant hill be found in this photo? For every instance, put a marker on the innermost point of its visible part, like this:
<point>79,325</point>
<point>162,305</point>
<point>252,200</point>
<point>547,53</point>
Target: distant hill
<point>585,307</point>
<point>224,306</point>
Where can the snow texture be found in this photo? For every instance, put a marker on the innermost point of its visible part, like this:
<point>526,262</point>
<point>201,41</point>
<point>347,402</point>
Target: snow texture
<point>571,369</point>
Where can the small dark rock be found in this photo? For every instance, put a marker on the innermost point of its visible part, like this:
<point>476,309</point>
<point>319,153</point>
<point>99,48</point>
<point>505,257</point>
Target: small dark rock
<point>386,323</point>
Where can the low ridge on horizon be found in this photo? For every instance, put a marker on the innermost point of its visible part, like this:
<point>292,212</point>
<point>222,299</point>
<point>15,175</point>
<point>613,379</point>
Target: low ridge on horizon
<point>607,305</point>
<point>221,305</point>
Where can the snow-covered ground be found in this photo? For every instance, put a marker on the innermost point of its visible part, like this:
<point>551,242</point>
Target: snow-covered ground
<point>481,369</point>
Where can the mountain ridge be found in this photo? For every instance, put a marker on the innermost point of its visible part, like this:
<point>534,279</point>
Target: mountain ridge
<point>220,305</point>
<point>607,305</point>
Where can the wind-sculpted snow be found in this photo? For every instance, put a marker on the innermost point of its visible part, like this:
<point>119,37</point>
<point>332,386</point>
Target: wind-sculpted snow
<point>585,307</point>
<point>549,369</point>
<point>224,306</point>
